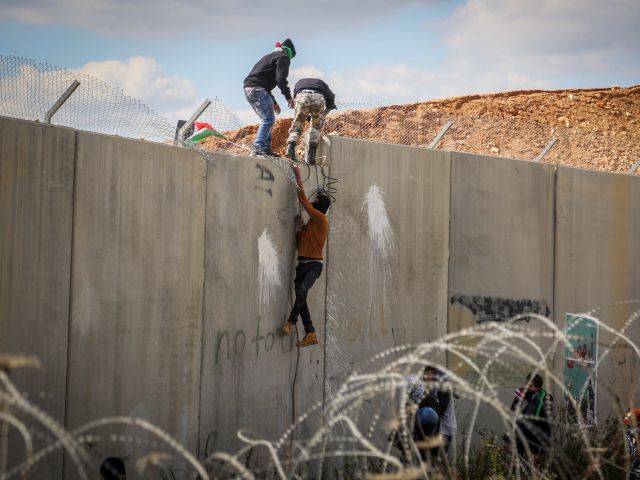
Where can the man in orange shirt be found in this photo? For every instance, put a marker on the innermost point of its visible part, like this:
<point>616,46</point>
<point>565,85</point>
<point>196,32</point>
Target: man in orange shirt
<point>311,238</point>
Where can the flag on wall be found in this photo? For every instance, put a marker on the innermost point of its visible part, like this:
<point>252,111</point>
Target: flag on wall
<point>203,130</point>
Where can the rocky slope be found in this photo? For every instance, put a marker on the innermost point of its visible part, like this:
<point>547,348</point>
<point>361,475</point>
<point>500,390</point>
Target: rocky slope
<point>596,128</point>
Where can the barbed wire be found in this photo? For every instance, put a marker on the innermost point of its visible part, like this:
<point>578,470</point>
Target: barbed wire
<point>28,89</point>
<point>220,117</point>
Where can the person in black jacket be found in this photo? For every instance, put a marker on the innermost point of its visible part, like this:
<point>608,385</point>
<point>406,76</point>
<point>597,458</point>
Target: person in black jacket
<point>271,70</point>
<point>534,429</point>
<point>314,99</point>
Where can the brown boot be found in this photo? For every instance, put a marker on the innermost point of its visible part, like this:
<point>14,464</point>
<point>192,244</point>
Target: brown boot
<point>287,328</point>
<point>309,339</point>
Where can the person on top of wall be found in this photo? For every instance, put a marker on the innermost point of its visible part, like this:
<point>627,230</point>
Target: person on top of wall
<point>314,99</point>
<point>533,434</point>
<point>311,237</point>
<point>271,70</point>
<point>434,380</point>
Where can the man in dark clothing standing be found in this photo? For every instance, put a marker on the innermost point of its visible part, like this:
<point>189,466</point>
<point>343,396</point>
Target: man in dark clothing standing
<point>311,238</point>
<point>533,433</point>
<point>314,99</point>
<point>271,70</point>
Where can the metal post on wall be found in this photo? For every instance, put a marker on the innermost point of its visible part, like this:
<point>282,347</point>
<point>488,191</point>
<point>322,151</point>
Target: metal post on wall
<point>180,135</point>
<point>546,149</point>
<point>63,98</point>
<point>440,134</point>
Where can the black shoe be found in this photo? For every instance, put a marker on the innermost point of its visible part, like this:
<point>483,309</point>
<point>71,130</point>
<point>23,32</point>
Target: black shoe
<point>311,156</point>
<point>270,153</point>
<point>291,152</point>
<point>257,151</point>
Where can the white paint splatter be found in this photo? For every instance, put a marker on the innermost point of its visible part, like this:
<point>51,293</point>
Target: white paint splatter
<point>380,245</point>
<point>379,227</point>
<point>269,277</point>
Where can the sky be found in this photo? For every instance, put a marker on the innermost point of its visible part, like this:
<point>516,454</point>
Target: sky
<point>171,54</point>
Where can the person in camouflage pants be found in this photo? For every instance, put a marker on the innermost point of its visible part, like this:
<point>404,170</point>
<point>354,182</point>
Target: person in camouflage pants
<point>313,100</point>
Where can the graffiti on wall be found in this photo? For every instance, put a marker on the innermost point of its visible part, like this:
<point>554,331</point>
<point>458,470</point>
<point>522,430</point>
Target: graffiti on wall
<point>234,342</point>
<point>498,309</point>
<point>264,175</point>
<point>580,365</point>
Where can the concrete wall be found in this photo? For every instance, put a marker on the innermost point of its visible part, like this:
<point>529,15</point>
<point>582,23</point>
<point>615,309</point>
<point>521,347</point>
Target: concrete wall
<point>248,367</point>
<point>502,237</point>
<point>156,252</point>
<point>136,298</point>
<point>598,267</point>
<point>408,305</point>
<point>36,198</point>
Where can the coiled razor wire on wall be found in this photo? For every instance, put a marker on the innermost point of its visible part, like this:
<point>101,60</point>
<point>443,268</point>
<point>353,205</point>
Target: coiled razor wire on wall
<point>28,89</point>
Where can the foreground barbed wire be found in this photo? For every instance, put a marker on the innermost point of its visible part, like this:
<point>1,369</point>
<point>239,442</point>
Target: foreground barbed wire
<point>364,418</point>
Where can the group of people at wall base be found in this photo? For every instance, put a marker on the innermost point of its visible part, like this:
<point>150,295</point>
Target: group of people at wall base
<point>431,418</point>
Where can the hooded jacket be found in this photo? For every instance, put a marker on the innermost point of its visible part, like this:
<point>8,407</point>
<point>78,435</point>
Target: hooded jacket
<point>271,70</point>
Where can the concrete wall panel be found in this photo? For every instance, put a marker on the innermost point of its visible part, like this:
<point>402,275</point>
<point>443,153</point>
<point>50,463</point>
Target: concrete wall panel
<point>156,252</point>
<point>36,198</point>
<point>248,367</point>
<point>137,283</point>
<point>501,264</point>
<point>366,315</point>
<point>598,267</point>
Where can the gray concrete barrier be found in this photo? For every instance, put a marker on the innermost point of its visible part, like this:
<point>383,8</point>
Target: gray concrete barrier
<point>501,264</point>
<point>249,368</point>
<point>598,271</point>
<point>36,204</point>
<point>396,294</point>
<point>156,252</point>
<point>136,297</point>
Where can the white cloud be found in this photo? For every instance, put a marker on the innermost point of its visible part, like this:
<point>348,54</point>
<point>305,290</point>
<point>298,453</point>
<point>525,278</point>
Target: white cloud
<point>137,18</point>
<point>143,78</point>
<point>380,83</point>
<point>133,98</point>
<point>541,39</point>
<point>247,117</point>
<point>497,45</point>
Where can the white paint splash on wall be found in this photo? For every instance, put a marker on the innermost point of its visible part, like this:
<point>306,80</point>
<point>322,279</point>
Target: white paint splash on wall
<point>379,227</point>
<point>380,249</point>
<point>269,277</point>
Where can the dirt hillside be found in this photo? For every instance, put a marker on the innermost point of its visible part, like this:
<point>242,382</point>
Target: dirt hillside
<point>596,128</point>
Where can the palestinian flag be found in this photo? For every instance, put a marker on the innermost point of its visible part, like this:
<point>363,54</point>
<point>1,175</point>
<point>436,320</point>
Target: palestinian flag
<point>203,130</point>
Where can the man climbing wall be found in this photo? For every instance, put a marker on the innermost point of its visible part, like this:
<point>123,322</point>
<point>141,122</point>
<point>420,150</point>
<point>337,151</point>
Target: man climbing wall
<point>311,238</point>
<point>314,99</point>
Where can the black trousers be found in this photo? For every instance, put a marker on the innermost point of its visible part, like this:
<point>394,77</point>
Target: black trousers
<point>306,275</point>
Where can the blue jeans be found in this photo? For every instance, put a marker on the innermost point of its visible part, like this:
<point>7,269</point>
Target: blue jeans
<point>262,104</point>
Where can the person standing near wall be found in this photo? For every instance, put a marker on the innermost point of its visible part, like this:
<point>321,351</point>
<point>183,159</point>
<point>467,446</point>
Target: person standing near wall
<point>311,238</point>
<point>271,70</point>
<point>434,380</point>
<point>314,99</point>
<point>534,430</point>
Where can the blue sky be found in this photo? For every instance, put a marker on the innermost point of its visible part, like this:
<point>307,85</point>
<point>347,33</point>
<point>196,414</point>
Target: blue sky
<point>172,54</point>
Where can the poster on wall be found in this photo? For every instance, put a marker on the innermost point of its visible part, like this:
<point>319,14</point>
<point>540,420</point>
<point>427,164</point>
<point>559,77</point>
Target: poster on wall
<point>580,365</point>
